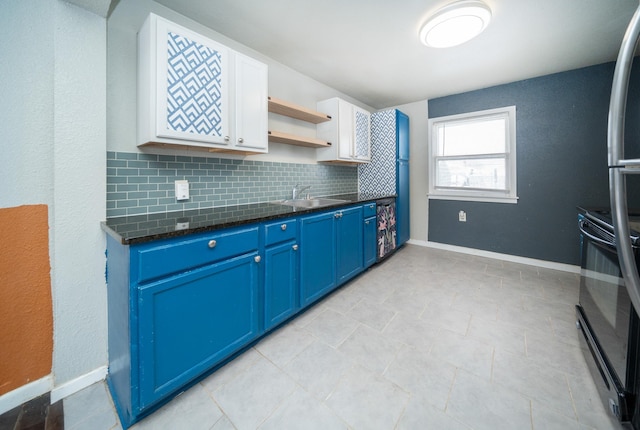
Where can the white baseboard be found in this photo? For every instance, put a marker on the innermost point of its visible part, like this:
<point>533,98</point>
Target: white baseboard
<point>417,242</point>
<point>495,255</point>
<point>23,394</point>
<point>78,384</point>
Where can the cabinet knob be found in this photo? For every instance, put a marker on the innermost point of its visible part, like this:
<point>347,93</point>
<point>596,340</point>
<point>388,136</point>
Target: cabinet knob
<point>240,140</point>
<point>338,215</point>
<point>212,243</point>
<point>366,222</point>
<point>257,258</point>
<point>283,227</point>
<point>227,138</point>
<point>295,247</point>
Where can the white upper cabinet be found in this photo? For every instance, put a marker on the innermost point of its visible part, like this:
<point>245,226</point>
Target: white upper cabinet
<point>194,92</point>
<point>251,98</point>
<point>348,132</point>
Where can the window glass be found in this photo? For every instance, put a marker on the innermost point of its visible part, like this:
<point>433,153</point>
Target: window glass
<point>472,156</point>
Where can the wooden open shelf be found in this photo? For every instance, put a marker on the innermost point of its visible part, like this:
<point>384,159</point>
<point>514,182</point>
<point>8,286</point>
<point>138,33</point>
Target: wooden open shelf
<point>285,108</point>
<point>292,139</point>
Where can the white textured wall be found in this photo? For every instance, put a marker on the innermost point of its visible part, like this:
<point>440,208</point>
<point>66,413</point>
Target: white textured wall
<point>284,83</point>
<point>26,111</point>
<point>79,184</point>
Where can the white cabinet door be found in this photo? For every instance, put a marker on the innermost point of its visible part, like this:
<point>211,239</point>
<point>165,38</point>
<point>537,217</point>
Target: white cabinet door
<point>251,111</point>
<point>345,131</point>
<point>194,92</point>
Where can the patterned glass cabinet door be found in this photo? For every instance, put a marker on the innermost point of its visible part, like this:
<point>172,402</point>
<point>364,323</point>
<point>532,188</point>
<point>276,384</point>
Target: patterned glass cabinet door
<point>361,134</point>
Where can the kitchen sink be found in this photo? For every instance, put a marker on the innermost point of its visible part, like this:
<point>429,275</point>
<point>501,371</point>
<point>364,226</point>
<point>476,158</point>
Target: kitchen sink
<point>310,203</point>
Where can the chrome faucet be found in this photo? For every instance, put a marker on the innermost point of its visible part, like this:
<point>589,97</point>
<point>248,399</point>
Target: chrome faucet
<point>298,189</point>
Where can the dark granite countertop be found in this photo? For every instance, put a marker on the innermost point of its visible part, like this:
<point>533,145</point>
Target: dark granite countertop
<point>144,228</point>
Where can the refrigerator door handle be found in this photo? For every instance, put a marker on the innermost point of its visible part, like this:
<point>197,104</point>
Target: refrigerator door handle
<point>617,169</point>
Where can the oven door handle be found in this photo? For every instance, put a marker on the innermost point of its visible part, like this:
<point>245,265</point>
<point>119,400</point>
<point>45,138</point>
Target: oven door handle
<point>582,225</point>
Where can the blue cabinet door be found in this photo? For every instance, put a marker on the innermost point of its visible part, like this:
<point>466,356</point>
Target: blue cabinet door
<point>349,245</point>
<point>369,245</point>
<point>280,283</point>
<point>402,179</point>
<point>190,322</point>
<point>317,256</point>
<point>402,202</point>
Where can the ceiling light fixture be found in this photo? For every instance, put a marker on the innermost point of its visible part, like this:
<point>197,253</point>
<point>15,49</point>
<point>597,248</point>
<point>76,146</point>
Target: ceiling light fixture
<point>455,24</point>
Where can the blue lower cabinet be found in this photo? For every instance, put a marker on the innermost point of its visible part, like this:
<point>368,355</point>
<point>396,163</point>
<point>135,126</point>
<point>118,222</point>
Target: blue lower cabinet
<point>179,307</point>
<point>317,256</point>
<point>280,283</point>
<point>190,322</point>
<point>331,251</point>
<point>349,243</point>
<point>369,233</point>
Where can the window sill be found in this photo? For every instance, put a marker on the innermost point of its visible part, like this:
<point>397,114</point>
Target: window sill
<point>486,199</point>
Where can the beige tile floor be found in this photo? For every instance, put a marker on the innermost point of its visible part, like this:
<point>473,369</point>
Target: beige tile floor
<point>429,339</point>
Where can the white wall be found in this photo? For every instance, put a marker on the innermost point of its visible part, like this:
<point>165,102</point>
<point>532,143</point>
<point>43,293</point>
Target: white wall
<point>53,150</point>
<point>284,83</point>
<point>26,110</point>
<point>79,184</point>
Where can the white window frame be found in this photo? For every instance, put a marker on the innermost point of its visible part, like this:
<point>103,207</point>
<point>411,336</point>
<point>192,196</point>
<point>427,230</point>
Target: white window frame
<point>468,194</point>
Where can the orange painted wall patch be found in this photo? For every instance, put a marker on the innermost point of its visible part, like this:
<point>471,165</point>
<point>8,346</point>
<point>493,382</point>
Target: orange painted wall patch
<point>26,314</point>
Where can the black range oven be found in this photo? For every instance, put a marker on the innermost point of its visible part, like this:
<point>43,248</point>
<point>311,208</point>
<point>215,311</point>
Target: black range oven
<point>606,317</point>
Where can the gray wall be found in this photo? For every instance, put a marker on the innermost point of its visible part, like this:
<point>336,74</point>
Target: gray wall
<point>561,161</point>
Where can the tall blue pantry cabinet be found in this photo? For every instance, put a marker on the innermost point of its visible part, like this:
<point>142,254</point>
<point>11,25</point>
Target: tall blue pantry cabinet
<point>388,171</point>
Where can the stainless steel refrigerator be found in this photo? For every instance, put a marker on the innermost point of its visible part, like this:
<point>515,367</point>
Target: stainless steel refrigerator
<point>609,300</point>
<point>388,171</point>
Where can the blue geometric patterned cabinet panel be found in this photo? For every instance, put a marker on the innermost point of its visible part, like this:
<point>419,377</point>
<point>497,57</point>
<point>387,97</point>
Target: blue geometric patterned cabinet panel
<point>361,138</point>
<point>194,87</point>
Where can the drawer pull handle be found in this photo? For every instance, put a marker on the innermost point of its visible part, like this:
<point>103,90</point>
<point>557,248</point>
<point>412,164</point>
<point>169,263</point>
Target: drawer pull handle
<point>283,227</point>
<point>212,243</point>
<point>366,222</point>
<point>257,258</point>
<point>295,247</point>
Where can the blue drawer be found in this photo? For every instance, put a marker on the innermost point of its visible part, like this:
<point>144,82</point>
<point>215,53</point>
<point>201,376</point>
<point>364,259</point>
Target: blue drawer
<point>172,256</point>
<point>369,209</point>
<point>276,232</point>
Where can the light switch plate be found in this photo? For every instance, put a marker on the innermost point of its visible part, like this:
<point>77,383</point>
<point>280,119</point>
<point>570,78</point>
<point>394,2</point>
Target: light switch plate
<point>182,189</point>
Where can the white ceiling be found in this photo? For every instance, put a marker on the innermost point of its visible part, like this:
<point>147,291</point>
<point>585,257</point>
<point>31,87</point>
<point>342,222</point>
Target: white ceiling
<point>369,49</point>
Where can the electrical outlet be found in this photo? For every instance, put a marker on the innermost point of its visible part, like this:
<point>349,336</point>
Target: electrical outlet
<point>182,224</point>
<point>182,189</point>
<point>462,216</point>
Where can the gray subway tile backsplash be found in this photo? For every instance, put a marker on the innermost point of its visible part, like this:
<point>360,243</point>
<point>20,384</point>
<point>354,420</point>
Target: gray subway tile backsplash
<point>143,183</point>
